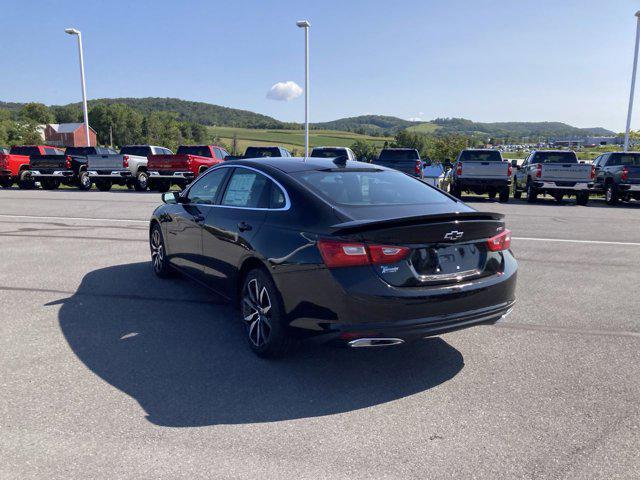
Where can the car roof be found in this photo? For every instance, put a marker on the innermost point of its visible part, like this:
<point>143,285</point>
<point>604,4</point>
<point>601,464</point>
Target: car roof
<point>399,148</point>
<point>330,147</point>
<point>298,164</point>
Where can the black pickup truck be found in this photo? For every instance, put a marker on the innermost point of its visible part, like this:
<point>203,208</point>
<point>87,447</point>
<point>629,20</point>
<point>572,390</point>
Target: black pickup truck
<point>69,167</point>
<point>406,160</point>
<point>618,176</point>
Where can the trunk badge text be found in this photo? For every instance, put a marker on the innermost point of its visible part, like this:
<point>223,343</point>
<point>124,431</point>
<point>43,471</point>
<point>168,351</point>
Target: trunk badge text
<point>454,235</point>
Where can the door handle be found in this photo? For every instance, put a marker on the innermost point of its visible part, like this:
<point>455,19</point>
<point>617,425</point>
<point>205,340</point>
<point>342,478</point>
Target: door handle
<point>244,226</point>
<point>198,218</point>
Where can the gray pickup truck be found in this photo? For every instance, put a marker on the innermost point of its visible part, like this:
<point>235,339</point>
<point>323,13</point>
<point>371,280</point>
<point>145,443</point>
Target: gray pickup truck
<point>554,172</point>
<point>480,171</point>
<point>129,167</point>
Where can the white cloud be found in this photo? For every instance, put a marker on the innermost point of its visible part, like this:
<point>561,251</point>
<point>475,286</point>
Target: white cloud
<point>284,91</point>
<point>414,119</point>
<point>421,114</point>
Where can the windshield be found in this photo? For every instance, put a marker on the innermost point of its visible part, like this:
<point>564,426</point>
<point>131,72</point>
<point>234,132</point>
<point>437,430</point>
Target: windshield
<point>370,187</point>
<point>199,150</point>
<point>258,152</point>
<point>140,151</point>
<point>480,156</point>
<point>81,151</point>
<point>627,159</point>
<point>555,157</point>
<point>399,155</point>
<point>328,152</point>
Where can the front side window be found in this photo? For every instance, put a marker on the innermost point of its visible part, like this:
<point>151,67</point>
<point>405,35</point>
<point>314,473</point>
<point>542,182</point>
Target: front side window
<point>247,189</point>
<point>204,191</point>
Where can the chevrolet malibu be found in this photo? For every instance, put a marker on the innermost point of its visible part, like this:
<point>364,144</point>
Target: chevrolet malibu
<point>335,250</point>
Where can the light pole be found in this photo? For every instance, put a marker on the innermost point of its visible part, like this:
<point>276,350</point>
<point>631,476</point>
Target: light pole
<point>305,24</point>
<point>633,84</point>
<point>73,31</point>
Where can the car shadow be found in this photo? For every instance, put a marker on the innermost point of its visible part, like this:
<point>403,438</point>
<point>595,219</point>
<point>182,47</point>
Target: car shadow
<point>181,354</point>
<point>551,202</point>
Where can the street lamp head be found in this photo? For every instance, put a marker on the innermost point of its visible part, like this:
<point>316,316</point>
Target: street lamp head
<point>72,31</point>
<point>303,24</point>
<point>638,14</point>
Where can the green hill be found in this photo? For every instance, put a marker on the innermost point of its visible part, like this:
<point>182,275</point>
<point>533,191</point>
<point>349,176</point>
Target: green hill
<point>366,124</point>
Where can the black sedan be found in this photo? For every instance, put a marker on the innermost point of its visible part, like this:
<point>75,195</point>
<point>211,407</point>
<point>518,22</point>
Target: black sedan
<point>336,250</point>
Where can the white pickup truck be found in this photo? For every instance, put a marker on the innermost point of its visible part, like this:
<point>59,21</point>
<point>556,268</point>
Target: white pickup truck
<point>554,172</point>
<point>129,167</point>
<point>480,171</point>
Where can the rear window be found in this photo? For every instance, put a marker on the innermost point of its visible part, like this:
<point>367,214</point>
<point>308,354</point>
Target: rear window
<point>259,152</point>
<point>81,151</point>
<point>25,151</point>
<point>328,152</point>
<point>140,151</point>
<point>480,156</point>
<point>370,187</point>
<point>555,157</point>
<point>399,155</point>
<point>201,151</point>
<point>628,159</point>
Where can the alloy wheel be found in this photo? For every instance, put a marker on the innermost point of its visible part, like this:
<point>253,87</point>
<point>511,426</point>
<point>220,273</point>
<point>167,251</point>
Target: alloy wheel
<point>256,312</point>
<point>157,251</point>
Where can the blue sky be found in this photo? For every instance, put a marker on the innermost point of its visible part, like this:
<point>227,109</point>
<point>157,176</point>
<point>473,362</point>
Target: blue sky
<point>500,60</point>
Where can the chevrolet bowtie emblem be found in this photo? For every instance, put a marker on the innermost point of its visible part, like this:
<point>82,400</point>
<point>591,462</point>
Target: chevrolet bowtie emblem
<point>454,235</point>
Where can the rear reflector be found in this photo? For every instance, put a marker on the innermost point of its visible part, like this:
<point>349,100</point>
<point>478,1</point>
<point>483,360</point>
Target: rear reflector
<point>342,254</point>
<point>68,162</point>
<point>418,167</point>
<point>459,169</point>
<point>593,172</point>
<point>125,161</point>
<point>539,170</point>
<point>624,176</point>
<point>502,241</point>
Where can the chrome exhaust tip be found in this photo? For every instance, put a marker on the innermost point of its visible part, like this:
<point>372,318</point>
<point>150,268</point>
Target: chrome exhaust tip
<point>374,342</point>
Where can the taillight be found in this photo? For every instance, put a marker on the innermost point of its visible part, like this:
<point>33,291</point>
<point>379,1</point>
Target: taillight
<point>459,169</point>
<point>593,172</point>
<point>346,254</point>
<point>125,161</point>
<point>509,170</point>
<point>418,167</point>
<point>539,170</point>
<point>624,176</point>
<point>68,159</point>
<point>502,241</point>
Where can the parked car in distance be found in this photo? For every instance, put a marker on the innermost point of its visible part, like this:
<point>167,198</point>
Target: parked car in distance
<point>479,171</point>
<point>554,172</point>
<point>261,152</point>
<point>129,167</point>
<point>15,165</point>
<point>618,176</point>
<point>341,251</point>
<point>406,160</point>
<point>68,167</point>
<point>333,152</point>
<point>182,167</point>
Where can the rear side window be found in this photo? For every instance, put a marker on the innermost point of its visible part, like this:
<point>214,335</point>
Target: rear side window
<point>248,189</point>
<point>480,156</point>
<point>399,155</point>
<point>370,187</point>
<point>555,157</point>
<point>199,150</point>
<point>627,159</point>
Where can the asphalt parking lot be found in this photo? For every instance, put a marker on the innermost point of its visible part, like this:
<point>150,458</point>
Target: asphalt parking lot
<point>108,372</point>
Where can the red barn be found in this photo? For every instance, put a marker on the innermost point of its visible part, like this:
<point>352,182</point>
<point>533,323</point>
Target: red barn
<point>68,135</point>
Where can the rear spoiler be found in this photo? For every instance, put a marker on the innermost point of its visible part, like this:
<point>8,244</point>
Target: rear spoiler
<point>355,226</point>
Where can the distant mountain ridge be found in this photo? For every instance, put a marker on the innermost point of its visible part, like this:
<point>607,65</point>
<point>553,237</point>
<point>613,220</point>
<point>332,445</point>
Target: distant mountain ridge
<point>379,125</point>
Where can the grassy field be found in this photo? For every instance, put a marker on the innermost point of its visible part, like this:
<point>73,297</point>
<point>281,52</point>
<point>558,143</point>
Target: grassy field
<point>291,139</point>
<point>424,128</point>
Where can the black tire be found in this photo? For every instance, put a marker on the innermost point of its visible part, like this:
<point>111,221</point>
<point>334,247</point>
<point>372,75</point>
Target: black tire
<point>504,195</point>
<point>517,194</point>
<point>492,195</point>
<point>24,181</point>
<point>141,182</point>
<point>532,193</point>
<point>261,313</point>
<point>6,182</point>
<point>160,185</point>
<point>50,184</point>
<point>611,194</point>
<point>84,181</point>
<point>454,190</point>
<point>103,185</point>
<point>582,198</point>
<point>159,261</point>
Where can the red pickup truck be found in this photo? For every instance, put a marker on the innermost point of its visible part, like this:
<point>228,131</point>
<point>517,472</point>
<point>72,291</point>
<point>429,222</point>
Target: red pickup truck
<point>14,166</point>
<point>183,167</point>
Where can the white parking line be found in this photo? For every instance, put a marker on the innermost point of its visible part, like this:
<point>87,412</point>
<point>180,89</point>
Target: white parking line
<point>76,218</point>
<point>564,240</point>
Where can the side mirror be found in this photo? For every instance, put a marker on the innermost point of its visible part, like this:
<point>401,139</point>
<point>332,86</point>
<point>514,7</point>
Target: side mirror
<point>172,198</point>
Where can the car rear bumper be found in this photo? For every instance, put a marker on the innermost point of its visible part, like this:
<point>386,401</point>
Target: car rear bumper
<point>353,303</point>
<point>579,186</point>
<point>173,176</point>
<point>5,173</point>
<point>484,182</point>
<point>115,174</point>
<point>629,187</point>
<point>59,174</point>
